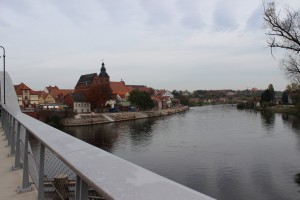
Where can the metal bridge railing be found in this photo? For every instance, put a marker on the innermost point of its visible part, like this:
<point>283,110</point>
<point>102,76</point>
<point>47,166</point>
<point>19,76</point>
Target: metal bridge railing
<point>63,167</point>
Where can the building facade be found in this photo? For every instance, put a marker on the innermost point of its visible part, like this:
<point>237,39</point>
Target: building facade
<point>77,103</point>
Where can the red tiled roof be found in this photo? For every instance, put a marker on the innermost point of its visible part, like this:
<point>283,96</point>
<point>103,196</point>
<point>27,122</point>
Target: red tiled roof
<point>66,91</point>
<point>119,88</point>
<point>55,91</point>
<point>141,88</point>
<point>21,87</point>
<point>34,92</point>
<point>50,88</point>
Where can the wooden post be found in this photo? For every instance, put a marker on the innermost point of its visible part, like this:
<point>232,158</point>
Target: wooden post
<point>61,184</point>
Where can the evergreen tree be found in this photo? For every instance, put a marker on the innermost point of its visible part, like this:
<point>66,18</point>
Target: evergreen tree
<point>272,92</point>
<point>266,96</point>
<point>285,97</point>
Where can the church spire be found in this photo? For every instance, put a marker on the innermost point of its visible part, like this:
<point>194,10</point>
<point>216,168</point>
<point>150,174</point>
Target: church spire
<point>103,71</point>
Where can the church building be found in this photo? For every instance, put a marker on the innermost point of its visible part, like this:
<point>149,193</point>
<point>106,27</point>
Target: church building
<point>86,81</point>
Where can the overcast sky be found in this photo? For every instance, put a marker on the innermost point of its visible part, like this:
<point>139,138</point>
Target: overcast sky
<point>171,44</point>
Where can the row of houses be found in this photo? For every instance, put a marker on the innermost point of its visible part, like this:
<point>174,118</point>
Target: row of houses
<point>54,98</point>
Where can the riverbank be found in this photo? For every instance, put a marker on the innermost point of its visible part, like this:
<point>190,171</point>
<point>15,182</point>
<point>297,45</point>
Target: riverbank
<point>287,109</point>
<point>101,118</point>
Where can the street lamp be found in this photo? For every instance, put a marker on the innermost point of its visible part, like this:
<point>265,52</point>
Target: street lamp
<point>3,72</point>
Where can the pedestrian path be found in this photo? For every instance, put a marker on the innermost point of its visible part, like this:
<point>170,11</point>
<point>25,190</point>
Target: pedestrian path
<point>9,179</point>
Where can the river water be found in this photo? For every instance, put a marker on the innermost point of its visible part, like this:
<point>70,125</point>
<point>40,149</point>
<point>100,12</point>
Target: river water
<point>220,151</point>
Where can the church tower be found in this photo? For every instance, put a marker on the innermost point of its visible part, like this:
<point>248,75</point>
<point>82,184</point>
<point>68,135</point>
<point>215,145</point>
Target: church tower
<point>103,76</point>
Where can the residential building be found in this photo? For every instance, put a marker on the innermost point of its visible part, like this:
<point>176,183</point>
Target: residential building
<point>48,99</point>
<point>57,94</point>
<point>119,89</point>
<point>26,96</point>
<point>164,93</point>
<point>120,93</point>
<point>77,103</point>
<point>163,99</point>
<point>161,102</point>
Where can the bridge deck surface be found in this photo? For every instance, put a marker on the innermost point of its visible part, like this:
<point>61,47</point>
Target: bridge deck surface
<point>9,179</point>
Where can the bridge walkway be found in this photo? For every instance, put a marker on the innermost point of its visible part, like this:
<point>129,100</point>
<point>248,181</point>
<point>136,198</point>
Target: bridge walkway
<point>9,179</point>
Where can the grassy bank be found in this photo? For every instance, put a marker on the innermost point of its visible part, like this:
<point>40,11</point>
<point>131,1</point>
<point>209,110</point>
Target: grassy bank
<point>288,109</point>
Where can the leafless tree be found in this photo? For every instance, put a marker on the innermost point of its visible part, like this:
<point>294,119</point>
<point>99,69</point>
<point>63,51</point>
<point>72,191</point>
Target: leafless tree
<point>283,32</point>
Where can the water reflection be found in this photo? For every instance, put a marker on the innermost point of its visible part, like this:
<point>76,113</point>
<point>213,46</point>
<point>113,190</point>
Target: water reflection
<point>268,119</point>
<point>217,150</point>
<point>105,135</point>
<point>97,135</point>
<point>141,131</point>
<point>228,182</point>
<point>264,182</point>
<point>293,121</point>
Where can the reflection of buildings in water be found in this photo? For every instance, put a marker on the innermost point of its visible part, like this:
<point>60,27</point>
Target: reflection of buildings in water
<point>105,135</point>
<point>102,136</point>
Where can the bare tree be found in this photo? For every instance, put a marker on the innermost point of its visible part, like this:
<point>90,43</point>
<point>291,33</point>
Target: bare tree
<point>283,32</point>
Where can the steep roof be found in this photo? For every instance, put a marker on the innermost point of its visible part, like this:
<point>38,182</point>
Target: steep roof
<point>55,93</point>
<point>20,87</point>
<point>87,78</point>
<point>43,94</point>
<point>34,92</point>
<point>77,97</point>
<point>118,87</point>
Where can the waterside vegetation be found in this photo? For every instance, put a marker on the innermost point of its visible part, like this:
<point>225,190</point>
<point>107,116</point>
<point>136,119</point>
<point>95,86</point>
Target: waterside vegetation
<point>288,103</point>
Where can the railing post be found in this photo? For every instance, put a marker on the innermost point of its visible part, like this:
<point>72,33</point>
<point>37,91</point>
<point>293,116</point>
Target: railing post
<point>26,186</point>
<point>4,123</point>
<point>2,119</point>
<point>2,111</point>
<point>9,135</point>
<point>18,149</point>
<point>81,192</point>
<point>41,191</point>
<point>13,143</point>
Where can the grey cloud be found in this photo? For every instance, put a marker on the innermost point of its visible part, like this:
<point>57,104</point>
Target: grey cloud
<point>20,7</point>
<point>223,18</point>
<point>157,13</point>
<point>118,11</point>
<point>3,23</point>
<point>255,21</point>
<point>73,11</point>
<point>191,15</point>
<point>192,22</point>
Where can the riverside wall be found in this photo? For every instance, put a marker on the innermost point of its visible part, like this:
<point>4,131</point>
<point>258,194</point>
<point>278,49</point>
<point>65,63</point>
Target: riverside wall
<point>101,118</point>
